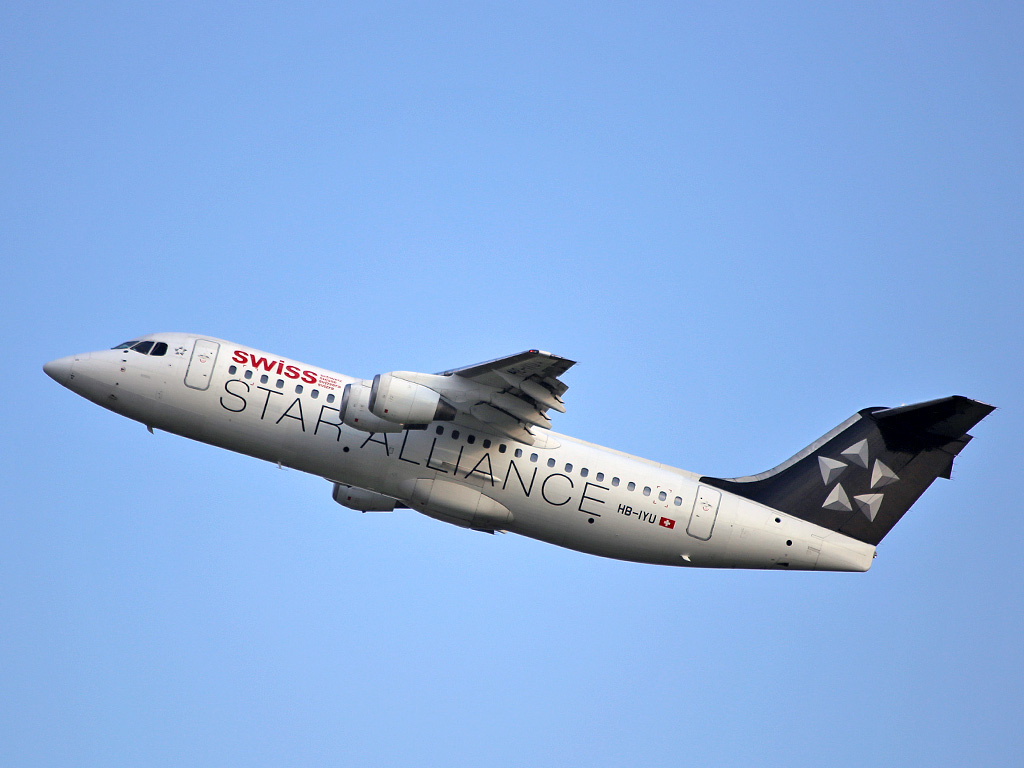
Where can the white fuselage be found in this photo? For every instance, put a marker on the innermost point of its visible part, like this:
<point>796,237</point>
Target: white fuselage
<point>561,490</point>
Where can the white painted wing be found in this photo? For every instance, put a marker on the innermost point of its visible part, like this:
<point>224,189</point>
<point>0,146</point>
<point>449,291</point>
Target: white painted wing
<point>515,392</point>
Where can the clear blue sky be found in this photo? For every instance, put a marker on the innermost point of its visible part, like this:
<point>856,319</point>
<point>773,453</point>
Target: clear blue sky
<point>746,221</point>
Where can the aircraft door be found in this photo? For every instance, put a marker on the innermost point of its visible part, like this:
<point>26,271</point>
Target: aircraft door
<point>705,510</point>
<point>200,367</point>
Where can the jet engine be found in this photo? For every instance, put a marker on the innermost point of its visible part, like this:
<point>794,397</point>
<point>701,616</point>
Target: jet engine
<point>456,504</point>
<point>405,402</point>
<point>362,501</point>
<point>355,410</point>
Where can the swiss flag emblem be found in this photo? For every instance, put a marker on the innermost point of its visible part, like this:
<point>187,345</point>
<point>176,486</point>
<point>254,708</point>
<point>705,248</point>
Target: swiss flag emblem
<point>666,522</point>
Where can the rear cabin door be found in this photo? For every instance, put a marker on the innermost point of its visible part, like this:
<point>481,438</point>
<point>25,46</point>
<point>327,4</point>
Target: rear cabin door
<point>200,367</point>
<point>705,510</point>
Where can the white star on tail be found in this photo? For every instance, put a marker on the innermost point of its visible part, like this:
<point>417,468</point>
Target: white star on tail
<point>837,500</point>
<point>830,469</point>
<point>869,504</point>
<point>882,475</point>
<point>858,453</point>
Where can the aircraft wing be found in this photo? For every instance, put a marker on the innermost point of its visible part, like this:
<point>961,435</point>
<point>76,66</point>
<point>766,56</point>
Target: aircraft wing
<point>511,393</point>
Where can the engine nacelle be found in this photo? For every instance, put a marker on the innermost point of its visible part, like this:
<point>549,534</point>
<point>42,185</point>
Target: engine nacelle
<point>405,402</point>
<point>355,410</point>
<point>362,501</point>
<point>455,503</point>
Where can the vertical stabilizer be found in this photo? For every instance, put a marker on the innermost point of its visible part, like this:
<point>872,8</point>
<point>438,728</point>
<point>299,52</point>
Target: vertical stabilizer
<point>860,478</point>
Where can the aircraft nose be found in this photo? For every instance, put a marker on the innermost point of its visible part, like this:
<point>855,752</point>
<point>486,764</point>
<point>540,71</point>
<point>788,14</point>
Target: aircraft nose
<point>60,370</point>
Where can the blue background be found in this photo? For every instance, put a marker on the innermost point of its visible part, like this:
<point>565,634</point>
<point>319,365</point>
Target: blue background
<point>746,222</point>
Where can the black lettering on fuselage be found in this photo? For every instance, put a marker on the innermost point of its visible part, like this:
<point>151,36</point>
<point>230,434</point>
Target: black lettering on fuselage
<point>584,498</point>
<point>234,394</point>
<point>544,487</point>
<point>267,402</point>
<point>490,472</point>
<point>513,468</point>
<point>431,455</point>
<point>401,451</point>
<point>320,420</point>
<point>288,414</point>
<point>384,442</point>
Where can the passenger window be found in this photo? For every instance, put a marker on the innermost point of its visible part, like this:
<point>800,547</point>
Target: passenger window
<point>264,379</point>
<point>519,453</point>
<point>143,347</point>
<point>248,374</point>
<point>502,448</point>
<point>159,349</point>
<point>455,434</point>
<point>330,398</point>
<point>471,439</point>
<point>298,389</point>
<point>662,496</point>
<point>487,443</point>
<point>677,501</point>
<point>584,472</point>
<point>314,393</point>
<point>568,467</point>
<point>233,370</point>
<point>439,430</point>
<point>551,462</point>
<point>533,457</point>
<point>615,482</point>
<point>600,477</point>
<point>647,490</point>
<point>280,383</point>
<point>631,486</point>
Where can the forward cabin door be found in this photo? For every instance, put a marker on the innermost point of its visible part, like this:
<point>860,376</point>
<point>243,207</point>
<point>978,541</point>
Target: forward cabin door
<point>200,367</point>
<point>705,510</point>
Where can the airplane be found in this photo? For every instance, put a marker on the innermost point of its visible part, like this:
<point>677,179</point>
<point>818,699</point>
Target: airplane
<point>473,447</point>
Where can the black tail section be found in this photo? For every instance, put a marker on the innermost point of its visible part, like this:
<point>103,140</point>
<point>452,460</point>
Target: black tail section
<point>861,477</point>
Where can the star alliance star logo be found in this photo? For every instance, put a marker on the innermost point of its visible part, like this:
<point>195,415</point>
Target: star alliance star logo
<point>856,455</point>
<point>180,351</point>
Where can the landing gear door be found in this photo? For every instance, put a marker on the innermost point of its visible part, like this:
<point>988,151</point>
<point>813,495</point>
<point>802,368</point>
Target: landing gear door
<point>705,510</point>
<point>200,367</point>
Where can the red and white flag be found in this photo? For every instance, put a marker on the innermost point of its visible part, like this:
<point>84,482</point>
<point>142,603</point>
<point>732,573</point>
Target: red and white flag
<point>666,522</point>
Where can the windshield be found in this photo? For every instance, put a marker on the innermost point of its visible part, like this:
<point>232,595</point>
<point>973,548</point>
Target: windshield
<point>151,348</point>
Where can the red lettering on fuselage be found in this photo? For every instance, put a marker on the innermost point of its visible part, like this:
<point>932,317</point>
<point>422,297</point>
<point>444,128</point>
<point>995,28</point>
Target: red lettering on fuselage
<point>263,363</point>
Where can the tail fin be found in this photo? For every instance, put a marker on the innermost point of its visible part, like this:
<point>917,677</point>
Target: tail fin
<point>862,477</point>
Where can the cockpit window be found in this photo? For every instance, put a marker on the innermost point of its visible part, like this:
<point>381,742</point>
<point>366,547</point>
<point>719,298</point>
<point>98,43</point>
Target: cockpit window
<point>154,348</point>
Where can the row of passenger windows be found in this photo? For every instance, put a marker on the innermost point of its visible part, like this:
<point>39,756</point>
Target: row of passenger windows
<point>583,471</point>
<point>313,393</point>
<point>471,439</point>
<point>151,348</point>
